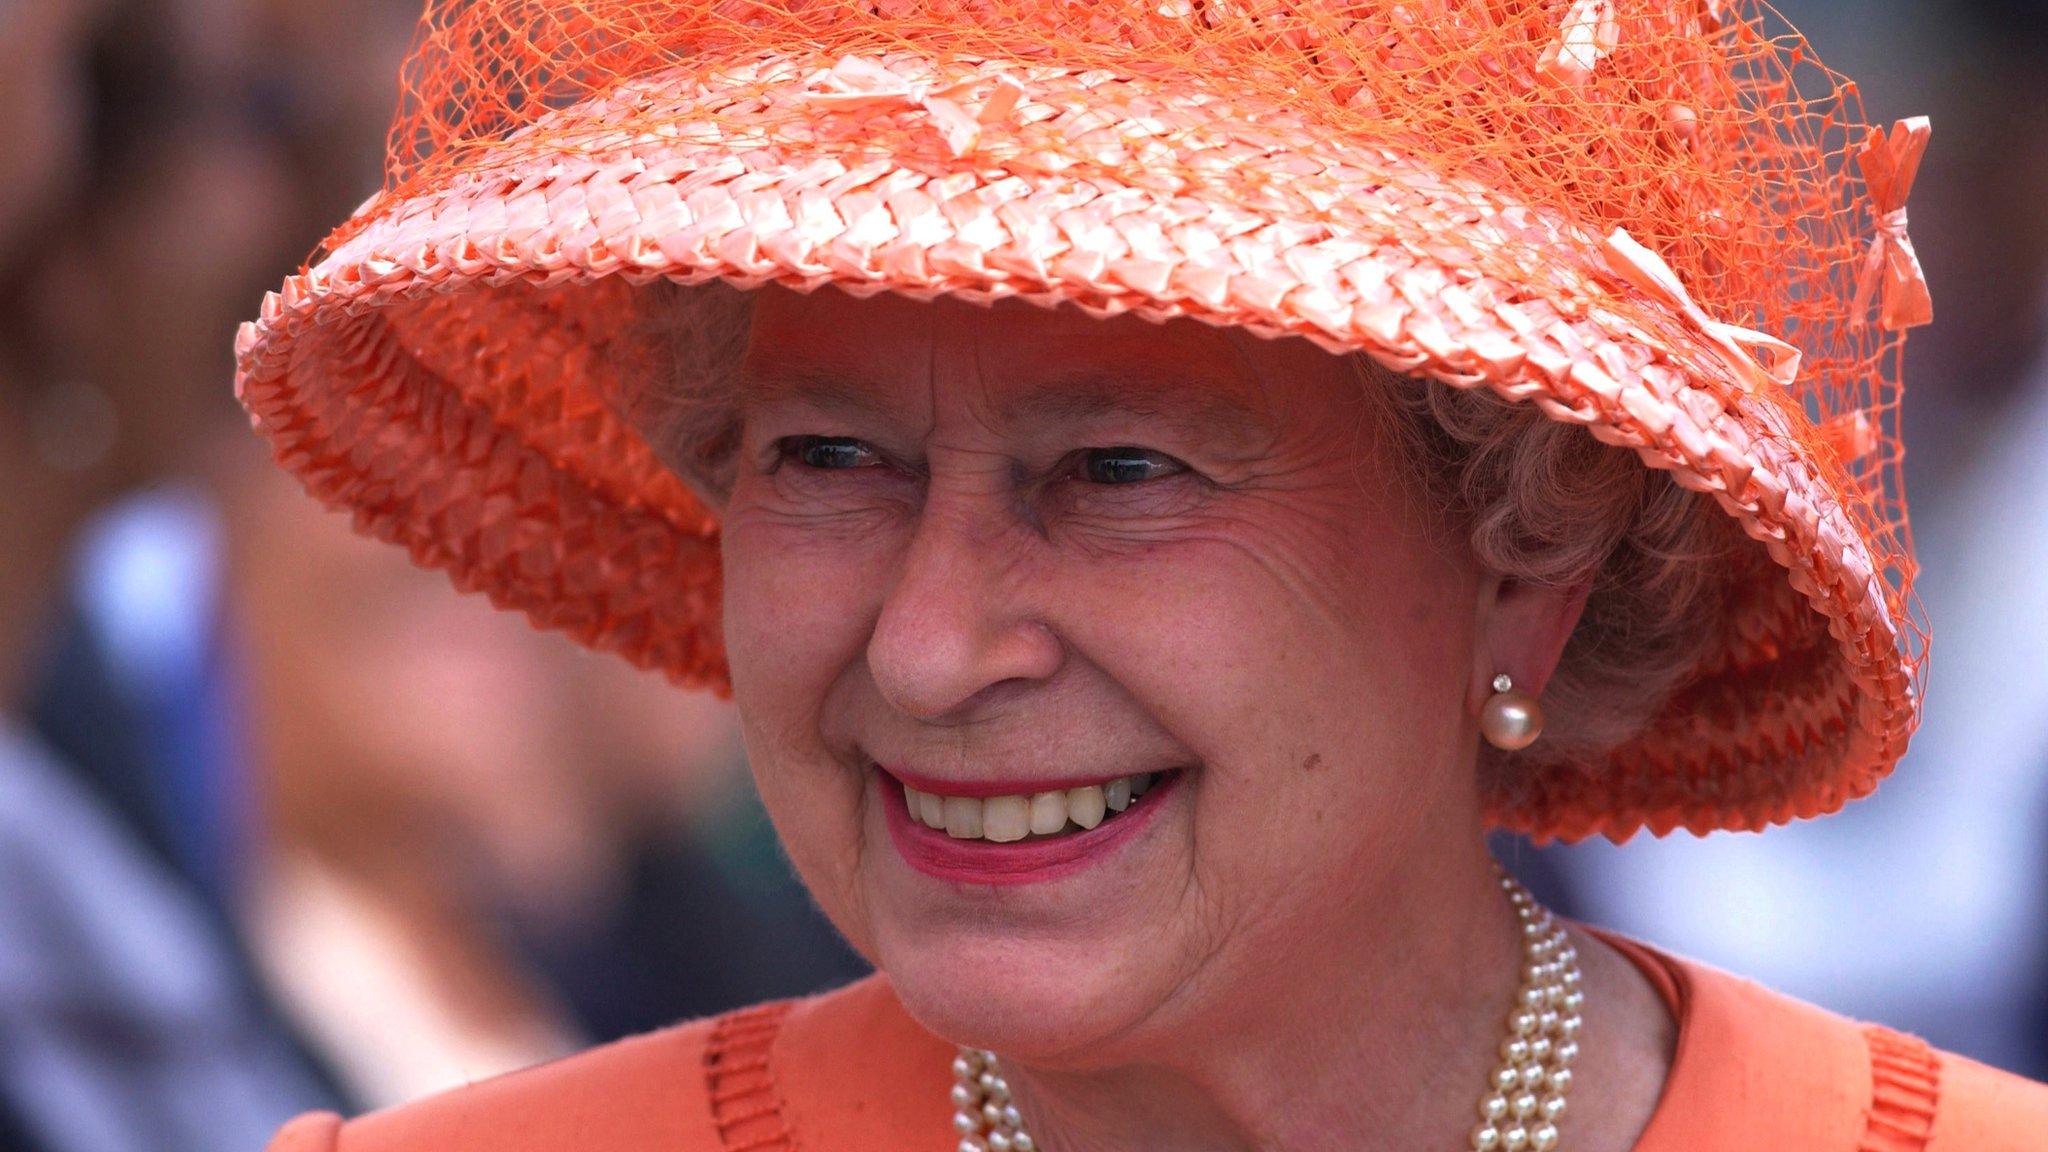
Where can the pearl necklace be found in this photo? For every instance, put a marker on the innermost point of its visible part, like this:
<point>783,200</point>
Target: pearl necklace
<point>1518,1112</point>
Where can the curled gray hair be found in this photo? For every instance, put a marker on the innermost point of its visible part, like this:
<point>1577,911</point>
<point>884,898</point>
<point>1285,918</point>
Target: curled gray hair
<point>1539,502</point>
<point>1542,502</point>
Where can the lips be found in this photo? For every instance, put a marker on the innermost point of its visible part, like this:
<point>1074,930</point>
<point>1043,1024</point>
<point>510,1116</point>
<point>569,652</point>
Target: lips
<point>995,833</point>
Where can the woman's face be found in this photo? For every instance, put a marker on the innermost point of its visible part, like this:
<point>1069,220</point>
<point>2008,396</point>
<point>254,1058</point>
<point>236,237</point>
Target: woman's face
<point>1013,552</point>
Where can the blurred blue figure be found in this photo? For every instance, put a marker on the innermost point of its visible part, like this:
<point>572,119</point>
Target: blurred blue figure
<point>130,1020</point>
<point>128,1025</point>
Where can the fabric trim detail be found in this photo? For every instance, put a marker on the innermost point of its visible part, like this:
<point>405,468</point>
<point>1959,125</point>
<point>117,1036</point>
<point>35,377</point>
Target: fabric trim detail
<point>744,1104</point>
<point>1905,1089</point>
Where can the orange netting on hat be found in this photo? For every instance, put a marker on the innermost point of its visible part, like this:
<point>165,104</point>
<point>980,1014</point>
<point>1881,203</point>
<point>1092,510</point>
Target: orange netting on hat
<point>1707,129</point>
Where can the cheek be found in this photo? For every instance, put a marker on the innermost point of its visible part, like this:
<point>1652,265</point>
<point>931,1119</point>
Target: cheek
<point>1281,624</point>
<point>1317,671</point>
<point>795,605</point>
<point>798,611</point>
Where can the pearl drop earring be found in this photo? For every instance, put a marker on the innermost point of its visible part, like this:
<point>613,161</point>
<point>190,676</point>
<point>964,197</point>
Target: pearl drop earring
<point>1511,720</point>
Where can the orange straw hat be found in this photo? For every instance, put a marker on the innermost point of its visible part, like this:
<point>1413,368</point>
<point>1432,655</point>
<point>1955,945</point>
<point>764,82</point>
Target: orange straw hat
<point>1660,219</point>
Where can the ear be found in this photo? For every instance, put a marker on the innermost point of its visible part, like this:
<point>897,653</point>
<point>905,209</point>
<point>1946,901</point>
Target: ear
<point>1522,630</point>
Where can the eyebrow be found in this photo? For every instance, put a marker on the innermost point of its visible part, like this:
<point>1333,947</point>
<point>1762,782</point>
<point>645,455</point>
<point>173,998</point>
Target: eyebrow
<point>1203,411</point>
<point>1186,404</point>
<point>815,384</point>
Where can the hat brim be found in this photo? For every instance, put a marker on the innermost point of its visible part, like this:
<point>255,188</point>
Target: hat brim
<point>445,370</point>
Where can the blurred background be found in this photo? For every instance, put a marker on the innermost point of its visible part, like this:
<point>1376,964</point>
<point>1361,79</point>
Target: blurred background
<point>286,825</point>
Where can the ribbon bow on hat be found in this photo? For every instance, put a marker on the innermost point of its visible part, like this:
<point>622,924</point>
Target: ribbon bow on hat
<point>856,82</point>
<point>1647,271</point>
<point>1586,37</point>
<point>1892,270</point>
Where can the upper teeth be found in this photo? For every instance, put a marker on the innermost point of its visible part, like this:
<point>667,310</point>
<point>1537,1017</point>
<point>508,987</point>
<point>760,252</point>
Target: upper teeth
<point>1006,818</point>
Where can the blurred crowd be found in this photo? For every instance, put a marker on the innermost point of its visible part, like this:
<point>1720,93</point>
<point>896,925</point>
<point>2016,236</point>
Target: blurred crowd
<point>284,824</point>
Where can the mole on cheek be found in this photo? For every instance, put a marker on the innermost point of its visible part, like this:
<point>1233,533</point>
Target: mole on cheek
<point>1314,763</point>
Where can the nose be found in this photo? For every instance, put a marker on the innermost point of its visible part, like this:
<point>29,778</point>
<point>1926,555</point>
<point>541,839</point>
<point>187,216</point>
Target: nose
<point>955,632</point>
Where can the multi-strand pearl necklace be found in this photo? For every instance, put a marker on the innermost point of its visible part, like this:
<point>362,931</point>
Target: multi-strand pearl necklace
<point>1518,1112</point>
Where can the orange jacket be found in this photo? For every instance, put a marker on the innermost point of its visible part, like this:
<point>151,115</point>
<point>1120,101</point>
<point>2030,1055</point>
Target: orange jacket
<point>1754,1072</point>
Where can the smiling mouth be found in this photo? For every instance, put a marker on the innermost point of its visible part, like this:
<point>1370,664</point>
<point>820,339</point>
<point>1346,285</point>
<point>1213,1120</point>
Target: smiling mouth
<point>1029,817</point>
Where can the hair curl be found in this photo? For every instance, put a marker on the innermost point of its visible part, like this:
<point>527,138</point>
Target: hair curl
<point>1537,500</point>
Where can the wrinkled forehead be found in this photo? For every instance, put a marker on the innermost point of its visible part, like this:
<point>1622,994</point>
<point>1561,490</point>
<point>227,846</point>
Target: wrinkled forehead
<point>1019,364</point>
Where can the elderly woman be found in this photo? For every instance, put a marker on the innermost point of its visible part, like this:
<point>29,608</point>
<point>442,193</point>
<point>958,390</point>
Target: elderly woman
<point>1160,480</point>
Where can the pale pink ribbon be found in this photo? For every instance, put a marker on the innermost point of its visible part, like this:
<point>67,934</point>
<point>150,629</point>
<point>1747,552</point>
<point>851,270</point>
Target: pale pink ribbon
<point>1850,434</point>
<point>856,82</point>
<point>1738,346</point>
<point>1586,37</point>
<point>1892,269</point>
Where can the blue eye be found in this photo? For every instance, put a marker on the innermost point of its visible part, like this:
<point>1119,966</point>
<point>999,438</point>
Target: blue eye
<point>1125,465</point>
<point>829,452</point>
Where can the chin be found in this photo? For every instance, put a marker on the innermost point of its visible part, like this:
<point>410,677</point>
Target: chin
<point>1062,959</point>
<point>1028,999</point>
